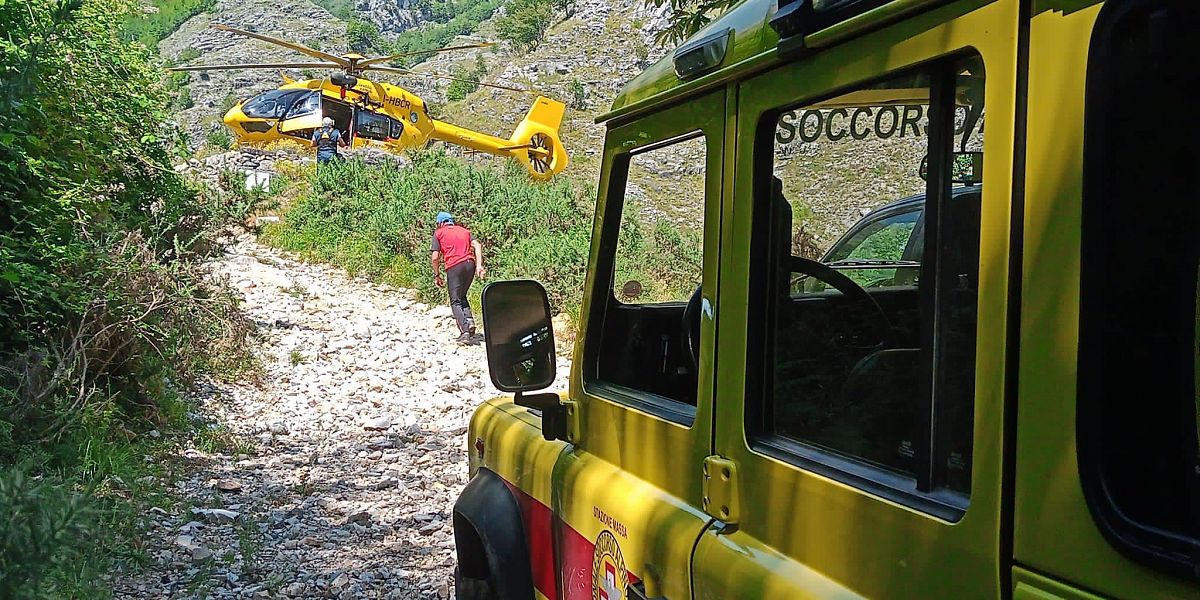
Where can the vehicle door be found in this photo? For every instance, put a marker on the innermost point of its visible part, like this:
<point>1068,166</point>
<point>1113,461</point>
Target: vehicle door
<point>1107,495</point>
<point>860,445</point>
<point>628,495</point>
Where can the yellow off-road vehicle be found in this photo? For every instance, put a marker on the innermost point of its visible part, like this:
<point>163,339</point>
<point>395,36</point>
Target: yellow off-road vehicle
<point>986,390</point>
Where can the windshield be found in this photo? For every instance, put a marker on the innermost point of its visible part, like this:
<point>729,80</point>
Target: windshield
<point>882,240</point>
<point>306,104</point>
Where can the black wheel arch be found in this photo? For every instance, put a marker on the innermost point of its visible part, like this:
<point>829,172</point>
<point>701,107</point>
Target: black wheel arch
<point>489,537</point>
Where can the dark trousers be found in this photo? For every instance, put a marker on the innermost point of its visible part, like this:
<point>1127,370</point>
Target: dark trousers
<point>458,281</point>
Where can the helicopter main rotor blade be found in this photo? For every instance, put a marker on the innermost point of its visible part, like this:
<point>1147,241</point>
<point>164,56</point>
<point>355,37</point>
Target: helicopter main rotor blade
<point>447,77</point>
<point>380,59</point>
<point>328,65</point>
<point>341,62</point>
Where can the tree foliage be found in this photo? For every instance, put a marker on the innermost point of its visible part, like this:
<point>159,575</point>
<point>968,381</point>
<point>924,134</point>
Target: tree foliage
<point>160,18</point>
<point>525,23</point>
<point>363,37</point>
<point>688,17</point>
<point>102,309</point>
<point>449,19</point>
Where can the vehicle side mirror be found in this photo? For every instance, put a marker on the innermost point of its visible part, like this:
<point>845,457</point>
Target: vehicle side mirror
<point>965,168</point>
<point>519,339</point>
<point>518,335</point>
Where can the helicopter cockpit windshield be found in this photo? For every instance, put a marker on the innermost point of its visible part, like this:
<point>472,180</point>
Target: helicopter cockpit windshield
<point>277,104</point>
<point>305,105</point>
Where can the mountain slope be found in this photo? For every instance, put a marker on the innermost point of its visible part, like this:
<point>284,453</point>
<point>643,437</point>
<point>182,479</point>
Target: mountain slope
<point>582,60</point>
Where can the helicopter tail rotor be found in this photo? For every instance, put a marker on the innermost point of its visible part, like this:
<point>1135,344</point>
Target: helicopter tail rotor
<point>535,141</point>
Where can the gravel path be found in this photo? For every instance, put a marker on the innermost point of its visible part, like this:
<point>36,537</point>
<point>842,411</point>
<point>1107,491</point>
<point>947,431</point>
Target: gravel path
<point>349,453</point>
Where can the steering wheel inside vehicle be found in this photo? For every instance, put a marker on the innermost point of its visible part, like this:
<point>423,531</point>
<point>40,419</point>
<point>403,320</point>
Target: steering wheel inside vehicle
<point>690,330</point>
<point>690,321</point>
<point>851,290</point>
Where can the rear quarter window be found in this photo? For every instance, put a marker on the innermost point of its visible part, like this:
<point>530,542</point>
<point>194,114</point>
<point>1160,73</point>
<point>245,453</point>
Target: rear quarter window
<point>1139,456</point>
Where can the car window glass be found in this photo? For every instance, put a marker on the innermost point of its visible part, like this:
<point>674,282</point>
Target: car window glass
<point>653,228</point>
<point>1138,412</point>
<point>884,239</point>
<point>854,361</point>
<point>659,245</point>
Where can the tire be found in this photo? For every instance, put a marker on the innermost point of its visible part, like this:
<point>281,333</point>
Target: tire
<point>467,588</point>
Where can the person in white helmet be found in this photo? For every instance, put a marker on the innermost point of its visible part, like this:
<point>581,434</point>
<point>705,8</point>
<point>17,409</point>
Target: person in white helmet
<point>326,140</point>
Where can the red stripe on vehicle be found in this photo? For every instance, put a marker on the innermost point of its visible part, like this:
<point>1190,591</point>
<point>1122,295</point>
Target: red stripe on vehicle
<point>578,557</point>
<point>539,540</point>
<point>578,552</point>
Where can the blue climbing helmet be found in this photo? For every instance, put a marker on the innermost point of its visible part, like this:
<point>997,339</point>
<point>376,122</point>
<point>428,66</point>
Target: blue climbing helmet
<point>444,217</point>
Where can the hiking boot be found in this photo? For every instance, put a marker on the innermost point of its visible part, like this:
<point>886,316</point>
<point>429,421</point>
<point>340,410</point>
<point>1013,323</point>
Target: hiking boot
<point>471,327</point>
<point>464,338</point>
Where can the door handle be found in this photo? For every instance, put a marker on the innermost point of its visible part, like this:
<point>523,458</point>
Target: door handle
<point>637,591</point>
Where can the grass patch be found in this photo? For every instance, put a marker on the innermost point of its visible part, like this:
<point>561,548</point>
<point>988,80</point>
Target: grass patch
<point>378,222</point>
<point>218,439</point>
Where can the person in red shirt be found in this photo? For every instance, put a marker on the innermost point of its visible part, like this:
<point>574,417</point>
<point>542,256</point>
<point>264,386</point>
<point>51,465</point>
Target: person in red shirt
<point>454,246</point>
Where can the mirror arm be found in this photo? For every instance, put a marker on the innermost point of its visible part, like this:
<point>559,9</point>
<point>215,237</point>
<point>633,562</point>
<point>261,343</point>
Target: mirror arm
<point>556,414</point>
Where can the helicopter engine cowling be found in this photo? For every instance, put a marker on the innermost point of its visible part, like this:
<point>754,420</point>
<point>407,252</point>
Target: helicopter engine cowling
<point>343,80</point>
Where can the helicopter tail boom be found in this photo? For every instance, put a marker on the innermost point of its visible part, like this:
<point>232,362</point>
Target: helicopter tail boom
<point>534,142</point>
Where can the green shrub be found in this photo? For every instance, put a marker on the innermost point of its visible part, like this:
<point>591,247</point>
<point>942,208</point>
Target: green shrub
<point>44,529</point>
<point>525,23</point>
<point>183,100</point>
<point>219,138</point>
<point>579,95</point>
<point>468,80</point>
<point>342,9</point>
<point>150,26</point>
<point>363,36</point>
<point>105,315</point>
<point>187,55</point>
<point>378,221</point>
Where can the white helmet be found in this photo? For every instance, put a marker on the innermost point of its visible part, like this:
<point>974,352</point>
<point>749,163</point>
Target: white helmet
<point>327,121</point>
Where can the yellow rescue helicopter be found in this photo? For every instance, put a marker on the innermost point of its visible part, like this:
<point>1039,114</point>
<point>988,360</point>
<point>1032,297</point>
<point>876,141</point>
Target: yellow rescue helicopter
<point>377,113</point>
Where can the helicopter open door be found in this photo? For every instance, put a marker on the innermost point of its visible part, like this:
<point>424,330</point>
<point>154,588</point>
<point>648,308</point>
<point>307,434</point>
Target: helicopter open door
<point>342,114</point>
<point>303,124</point>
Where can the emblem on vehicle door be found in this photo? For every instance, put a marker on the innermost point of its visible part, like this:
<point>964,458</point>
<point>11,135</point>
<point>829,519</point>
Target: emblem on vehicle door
<point>609,577</point>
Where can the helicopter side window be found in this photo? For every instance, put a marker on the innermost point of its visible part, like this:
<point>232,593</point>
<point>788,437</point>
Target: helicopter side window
<point>372,126</point>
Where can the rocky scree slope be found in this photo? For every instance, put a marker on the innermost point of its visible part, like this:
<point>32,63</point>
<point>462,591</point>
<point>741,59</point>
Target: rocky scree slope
<point>349,453</point>
<point>584,59</point>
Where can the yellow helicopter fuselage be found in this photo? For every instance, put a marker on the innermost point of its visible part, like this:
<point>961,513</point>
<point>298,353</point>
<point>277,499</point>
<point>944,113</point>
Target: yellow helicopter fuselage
<point>371,113</point>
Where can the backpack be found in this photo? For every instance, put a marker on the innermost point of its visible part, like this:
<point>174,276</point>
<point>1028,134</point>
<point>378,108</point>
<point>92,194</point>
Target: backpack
<point>325,139</point>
